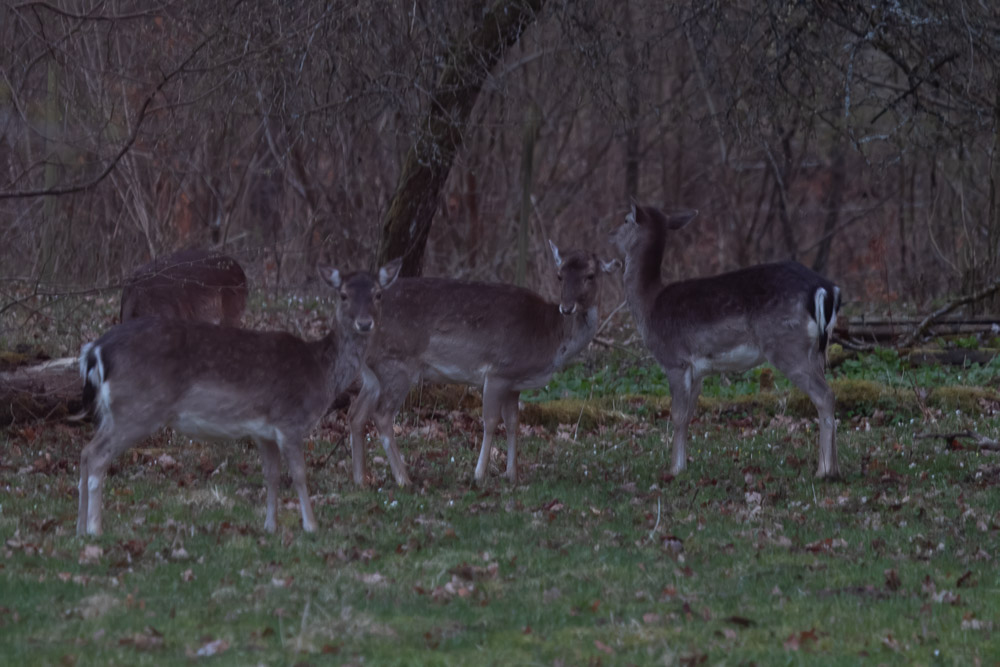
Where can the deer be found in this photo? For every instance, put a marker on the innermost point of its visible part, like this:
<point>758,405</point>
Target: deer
<point>782,313</point>
<point>224,383</point>
<point>499,337</point>
<point>200,285</point>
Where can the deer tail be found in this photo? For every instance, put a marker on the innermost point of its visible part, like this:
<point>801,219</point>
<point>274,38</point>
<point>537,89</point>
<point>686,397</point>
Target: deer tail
<point>93,371</point>
<point>826,306</point>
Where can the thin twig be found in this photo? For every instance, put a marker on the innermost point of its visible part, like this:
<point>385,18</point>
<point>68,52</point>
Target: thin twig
<point>657,524</point>
<point>693,497</point>
<point>576,431</point>
<point>333,450</point>
<point>608,318</point>
<point>852,344</point>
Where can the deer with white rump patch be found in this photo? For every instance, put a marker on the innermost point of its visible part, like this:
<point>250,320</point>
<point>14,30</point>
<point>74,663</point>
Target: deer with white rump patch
<point>224,383</point>
<point>783,313</point>
<point>502,338</point>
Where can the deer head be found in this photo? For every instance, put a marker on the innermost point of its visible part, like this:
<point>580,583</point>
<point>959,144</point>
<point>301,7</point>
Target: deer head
<point>647,226</point>
<point>577,274</point>
<point>359,302</point>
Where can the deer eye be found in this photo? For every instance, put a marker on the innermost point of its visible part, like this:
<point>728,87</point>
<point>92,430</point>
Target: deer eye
<point>378,296</point>
<point>343,296</point>
<point>559,276</point>
<point>590,276</point>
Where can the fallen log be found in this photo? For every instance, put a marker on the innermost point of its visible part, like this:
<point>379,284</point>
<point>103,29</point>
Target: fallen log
<point>886,330</point>
<point>49,390</point>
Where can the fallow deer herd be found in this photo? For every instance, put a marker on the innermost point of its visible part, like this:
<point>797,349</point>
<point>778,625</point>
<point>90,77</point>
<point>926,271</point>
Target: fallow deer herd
<point>179,357</point>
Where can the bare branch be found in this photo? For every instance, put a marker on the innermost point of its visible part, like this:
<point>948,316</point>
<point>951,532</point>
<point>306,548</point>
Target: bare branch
<point>81,187</point>
<point>925,323</point>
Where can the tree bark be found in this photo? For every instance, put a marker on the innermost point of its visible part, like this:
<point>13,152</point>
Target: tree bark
<point>532,122</point>
<point>408,222</point>
<point>631,111</point>
<point>833,203</point>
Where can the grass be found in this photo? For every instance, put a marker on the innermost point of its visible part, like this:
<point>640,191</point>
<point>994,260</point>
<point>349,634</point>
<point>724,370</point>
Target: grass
<point>596,557</point>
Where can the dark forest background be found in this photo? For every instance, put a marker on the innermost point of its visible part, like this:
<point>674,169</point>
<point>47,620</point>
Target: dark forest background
<point>861,139</point>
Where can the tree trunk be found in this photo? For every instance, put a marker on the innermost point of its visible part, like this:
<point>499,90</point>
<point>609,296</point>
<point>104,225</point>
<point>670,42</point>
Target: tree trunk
<point>631,111</point>
<point>531,125</point>
<point>51,232</point>
<point>833,203</point>
<point>408,223</point>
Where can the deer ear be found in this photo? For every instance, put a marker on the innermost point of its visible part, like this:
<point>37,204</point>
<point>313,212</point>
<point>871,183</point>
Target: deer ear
<point>630,216</point>
<point>555,254</point>
<point>609,267</point>
<point>331,276</point>
<point>680,217</point>
<point>387,274</point>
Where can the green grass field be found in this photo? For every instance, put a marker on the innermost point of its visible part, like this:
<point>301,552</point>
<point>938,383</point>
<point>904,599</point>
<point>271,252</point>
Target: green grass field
<point>596,556</point>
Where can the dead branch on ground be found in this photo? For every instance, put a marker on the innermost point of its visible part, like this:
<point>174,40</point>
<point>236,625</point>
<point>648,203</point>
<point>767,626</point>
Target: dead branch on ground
<point>925,323</point>
<point>980,441</point>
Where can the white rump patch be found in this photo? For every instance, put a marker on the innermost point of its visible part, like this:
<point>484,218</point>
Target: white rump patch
<point>820,300</point>
<point>83,359</point>
<point>833,315</point>
<point>812,330</point>
<point>96,374</point>
<point>104,403</point>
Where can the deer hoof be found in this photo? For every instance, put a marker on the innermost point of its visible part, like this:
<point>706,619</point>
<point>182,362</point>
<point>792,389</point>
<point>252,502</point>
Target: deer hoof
<point>828,473</point>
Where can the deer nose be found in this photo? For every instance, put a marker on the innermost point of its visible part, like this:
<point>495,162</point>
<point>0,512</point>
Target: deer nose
<point>365,325</point>
<point>567,311</point>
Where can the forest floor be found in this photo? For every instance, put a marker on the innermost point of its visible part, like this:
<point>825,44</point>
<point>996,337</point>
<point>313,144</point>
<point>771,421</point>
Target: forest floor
<point>596,556</point>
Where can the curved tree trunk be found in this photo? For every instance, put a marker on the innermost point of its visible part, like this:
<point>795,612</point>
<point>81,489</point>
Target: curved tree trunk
<point>405,230</point>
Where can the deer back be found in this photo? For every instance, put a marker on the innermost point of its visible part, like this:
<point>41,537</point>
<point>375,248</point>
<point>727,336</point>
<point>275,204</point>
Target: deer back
<point>748,307</point>
<point>161,371</point>
<point>226,382</point>
<point>460,331</point>
<point>457,331</point>
<point>198,285</point>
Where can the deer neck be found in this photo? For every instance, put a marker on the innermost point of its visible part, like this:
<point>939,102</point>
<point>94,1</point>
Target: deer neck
<point>578,330</point>
<point>643,282</point>
<point>340,355</point>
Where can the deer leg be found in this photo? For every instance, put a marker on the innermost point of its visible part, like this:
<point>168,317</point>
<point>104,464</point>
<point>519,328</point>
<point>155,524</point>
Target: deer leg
<point>94,462</point>
<point>383,421</point>
<point>811,379</point>
<point>684,390</point>
<point>394,383</point>
<point>493,394</point>
<point>297,468</point>
<point>357,416</point>
<point>84,487</point>
<point>270,459</point>
<point>510,422</point>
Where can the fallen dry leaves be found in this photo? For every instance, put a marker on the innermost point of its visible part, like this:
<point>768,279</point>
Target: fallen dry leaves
<point>798,640</point>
